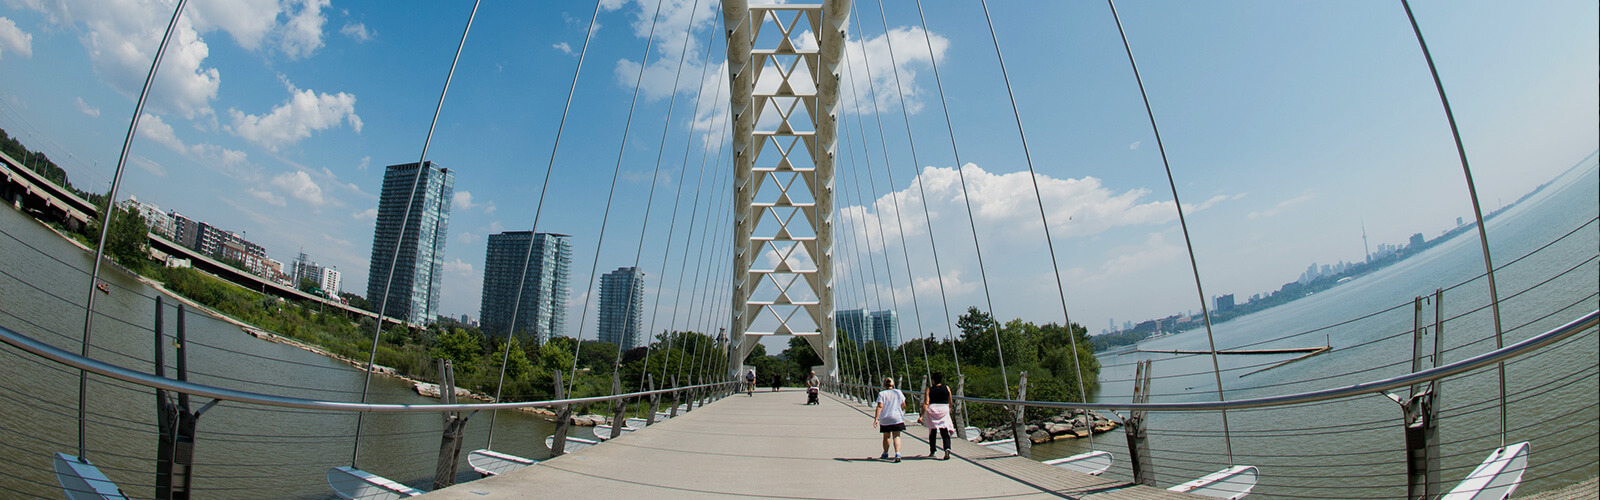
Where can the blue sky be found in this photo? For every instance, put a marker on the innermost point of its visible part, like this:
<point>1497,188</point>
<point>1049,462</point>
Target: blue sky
<point>1287,125</point>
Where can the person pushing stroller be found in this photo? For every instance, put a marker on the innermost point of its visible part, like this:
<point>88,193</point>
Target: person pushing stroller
<point>812,388</point>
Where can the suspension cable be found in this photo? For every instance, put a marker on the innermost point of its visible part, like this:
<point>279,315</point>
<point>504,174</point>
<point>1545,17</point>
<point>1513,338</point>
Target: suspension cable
<point>1061,292</point>
<point>666,125</point>
<point>683,173</point>
<point>627,125</point>
<point>966,197</point>
<point>1204,311</point>
<point>105,224</point>
<point>695,294</point>
<point>1477,210</point>
<point>538,210</point>
<point>405,220</point>
<point>683,263</point>
<point>922,191</point>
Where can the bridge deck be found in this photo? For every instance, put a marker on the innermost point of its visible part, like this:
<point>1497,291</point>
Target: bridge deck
<point>773,446</point>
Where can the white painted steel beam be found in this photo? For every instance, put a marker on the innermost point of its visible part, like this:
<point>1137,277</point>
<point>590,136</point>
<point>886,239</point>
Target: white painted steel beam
<point>787,85</point>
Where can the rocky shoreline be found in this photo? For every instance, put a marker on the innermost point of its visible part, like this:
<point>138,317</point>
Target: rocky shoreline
<point>1069,424</point>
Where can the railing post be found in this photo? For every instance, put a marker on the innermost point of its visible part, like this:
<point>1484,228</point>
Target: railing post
<point>558,441</point>
<point>1133,427</point>
<point>1421,411</point>
<point>655,400</point>
<point>619,406</point>
<point>455,427</point>
<point>175,422</point>
<point>675,398</point>
<point>1019,420</point>
<point>960,411</point>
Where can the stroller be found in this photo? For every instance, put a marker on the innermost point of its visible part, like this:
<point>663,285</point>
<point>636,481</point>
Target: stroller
<point>811,396</point>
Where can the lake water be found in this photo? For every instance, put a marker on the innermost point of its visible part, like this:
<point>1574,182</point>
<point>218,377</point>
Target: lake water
<point>1355,447</point>
<point>242,451</point>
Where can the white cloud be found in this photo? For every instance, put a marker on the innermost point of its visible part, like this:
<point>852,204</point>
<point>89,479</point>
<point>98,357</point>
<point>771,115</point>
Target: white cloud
<point>267,196</point>
<point>230,162</point>
<point>14,39</point>
<point>467,238</point>
<point>365,215</point>
<point>1135,145</point>
<point>677,24</point>
<point>1304,197</point>
<point>871,58</point>
<point>299,185</point>
<point>150,166</point>
<point>458,267</point>
<point>462,200</point>
<point>1154,251</point>
<point>85,108</point>
<point>358,32</point>
<point>305,112</point>
<point>366,161</point>
<point>1004,204</point>
<point>564,47</point>
<point>302,32</point>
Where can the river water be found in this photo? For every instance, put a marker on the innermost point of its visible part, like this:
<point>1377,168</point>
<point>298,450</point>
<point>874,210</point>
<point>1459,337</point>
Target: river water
<point>242,451</point>
<point>1354,448</point>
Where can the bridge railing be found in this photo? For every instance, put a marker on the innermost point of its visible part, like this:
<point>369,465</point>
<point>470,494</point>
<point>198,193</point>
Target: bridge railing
<point>1326,469</point>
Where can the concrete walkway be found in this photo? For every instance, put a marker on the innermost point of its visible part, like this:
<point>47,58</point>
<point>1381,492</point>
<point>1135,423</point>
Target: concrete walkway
<point>771,445</point>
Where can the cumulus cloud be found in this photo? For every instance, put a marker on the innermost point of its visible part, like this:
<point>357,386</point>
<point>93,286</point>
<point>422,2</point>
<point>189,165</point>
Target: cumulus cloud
<point>302,32</point>
<point>458,267</point>
<point>366,161</point>
<point>305,112</point>
<point>267,196</point>
<point>462,200</point>
<point>1304,197</point>
<point>358,32</point>
<point>563,47</point>
<point>1003,203</point>
<point>232,163</point>
<point>121,37</point>
<point>14,40</point>
<point>85,108</point>
<point>299,185</point>
<point>870,71</point>
<point>365,215</point>
<point>1135,145</point>
<point>678,21</point>
<point>150,166</point>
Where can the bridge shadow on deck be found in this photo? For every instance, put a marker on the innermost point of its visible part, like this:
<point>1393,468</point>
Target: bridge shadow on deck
<point>771,446</point>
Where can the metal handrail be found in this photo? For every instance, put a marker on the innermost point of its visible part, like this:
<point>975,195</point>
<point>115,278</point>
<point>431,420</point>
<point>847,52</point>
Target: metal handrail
<point>1540,341</point>
<point>53,353</point>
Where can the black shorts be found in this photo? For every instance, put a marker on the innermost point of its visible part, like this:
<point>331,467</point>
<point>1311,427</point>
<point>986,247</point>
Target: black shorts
<point>900,427</point>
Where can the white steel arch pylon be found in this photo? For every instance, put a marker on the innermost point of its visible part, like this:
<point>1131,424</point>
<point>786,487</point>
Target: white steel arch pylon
<point>783,102</point>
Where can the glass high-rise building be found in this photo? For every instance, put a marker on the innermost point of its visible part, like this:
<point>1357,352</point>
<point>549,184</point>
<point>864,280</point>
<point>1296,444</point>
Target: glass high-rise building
<point>543,309</point>
<point>885,328</point>
<point>414,290</point>
<point>621,301</point>
<point>854,324</point>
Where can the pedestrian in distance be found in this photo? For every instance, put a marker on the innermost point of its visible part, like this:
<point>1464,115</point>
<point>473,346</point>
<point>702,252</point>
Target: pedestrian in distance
<point>936,414</point>
<point>890,417</point>
<point>777,382</point>
<point>750,382</point>
<point>813,386</point>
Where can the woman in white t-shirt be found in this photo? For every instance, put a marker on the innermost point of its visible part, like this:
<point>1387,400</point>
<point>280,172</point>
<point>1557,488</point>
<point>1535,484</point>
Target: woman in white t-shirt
<point>890,417</point>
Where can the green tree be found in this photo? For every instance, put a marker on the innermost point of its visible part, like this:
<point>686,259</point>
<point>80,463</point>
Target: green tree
<point>801,353</point>
<point>128,238</point>
<point>517,364</point>
<point>460,347</point>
